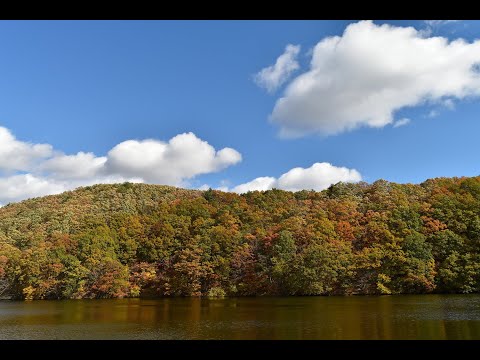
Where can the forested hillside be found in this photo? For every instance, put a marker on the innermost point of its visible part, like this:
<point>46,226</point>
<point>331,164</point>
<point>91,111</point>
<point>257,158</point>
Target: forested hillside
<point>131,240</point>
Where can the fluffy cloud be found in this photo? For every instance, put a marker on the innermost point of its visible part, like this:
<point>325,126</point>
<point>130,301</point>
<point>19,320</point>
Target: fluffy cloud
<point>183,157</point>
<point>317,177</point>
<point>272,77</point>
<point>24,186</point>
<point>79,166</point>
<point>18,187</point>
<point>18,155</point>
<point>49,172</point>
<point>260,184</point>
<point>364,76</point>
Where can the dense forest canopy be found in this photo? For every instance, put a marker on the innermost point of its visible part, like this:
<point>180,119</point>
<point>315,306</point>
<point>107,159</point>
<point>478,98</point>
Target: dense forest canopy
<point>130,240</point>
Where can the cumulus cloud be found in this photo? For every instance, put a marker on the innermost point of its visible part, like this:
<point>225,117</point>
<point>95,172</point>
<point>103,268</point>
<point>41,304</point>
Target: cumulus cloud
<point>364,76</point>
<point>18,155</point>
<point>18,187</point>
<point>45,171</point>
<point>260,184</point>
<point>183,157</point>
<point>24,186</point>
<point>317,177</point>
<point>79,166</point>
<point>272,77</point>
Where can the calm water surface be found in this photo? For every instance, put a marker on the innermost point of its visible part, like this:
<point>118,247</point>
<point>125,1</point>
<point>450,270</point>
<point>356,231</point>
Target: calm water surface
<point>358,317</point>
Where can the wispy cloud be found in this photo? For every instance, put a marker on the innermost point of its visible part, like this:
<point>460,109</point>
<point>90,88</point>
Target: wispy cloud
<point>272,77</point>
<point>433,25</point>
<point>439,22</point>
<point>401,122</point>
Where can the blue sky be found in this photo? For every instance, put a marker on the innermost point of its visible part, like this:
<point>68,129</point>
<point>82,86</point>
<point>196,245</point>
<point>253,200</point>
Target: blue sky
<point>88,86</point>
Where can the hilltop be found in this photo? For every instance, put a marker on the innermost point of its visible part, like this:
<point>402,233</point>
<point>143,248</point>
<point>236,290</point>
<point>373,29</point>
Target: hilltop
<point>130,240</point>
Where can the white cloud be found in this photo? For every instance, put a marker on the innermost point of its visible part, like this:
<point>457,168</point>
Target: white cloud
<point>260,184</point>
<point>439,22</point>
<point>272,77</point>
<point>433,25</point>
<point>79,166</point>
<point>18,155</point>
<point>364,76</point>
<point>183,157</point>
<point>317,177</point>
<point>222,188</point>
<point>24,186</point>
<point>46,171</point>
<point>401,122</point>
<point>19,187</point>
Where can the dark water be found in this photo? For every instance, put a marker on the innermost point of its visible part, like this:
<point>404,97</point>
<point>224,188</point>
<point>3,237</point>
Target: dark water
<point>386,317</point>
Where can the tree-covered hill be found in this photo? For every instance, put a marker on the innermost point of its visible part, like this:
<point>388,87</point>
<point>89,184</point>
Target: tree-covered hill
<point>130,240</point>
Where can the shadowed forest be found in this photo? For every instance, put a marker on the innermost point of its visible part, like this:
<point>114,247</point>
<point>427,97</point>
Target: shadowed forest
<point>137,240</point>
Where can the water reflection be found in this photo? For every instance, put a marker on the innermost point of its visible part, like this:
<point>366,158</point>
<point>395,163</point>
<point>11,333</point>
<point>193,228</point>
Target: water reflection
<point>386,317</point>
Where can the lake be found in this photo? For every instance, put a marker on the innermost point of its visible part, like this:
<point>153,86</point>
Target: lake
<point>354,317</point>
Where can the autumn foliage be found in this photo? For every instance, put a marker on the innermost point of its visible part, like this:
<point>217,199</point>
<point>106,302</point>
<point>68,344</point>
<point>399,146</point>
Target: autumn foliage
<point>131,240</point>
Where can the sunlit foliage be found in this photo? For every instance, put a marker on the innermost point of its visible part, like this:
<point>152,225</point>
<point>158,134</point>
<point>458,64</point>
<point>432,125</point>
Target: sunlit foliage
<point>131,240</point>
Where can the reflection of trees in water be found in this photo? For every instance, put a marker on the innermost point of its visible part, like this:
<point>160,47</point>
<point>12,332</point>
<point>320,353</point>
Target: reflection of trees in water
<point>353,317</point>
<point>3,287</point>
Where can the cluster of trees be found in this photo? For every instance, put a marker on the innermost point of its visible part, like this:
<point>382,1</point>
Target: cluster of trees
<point>131,240</point>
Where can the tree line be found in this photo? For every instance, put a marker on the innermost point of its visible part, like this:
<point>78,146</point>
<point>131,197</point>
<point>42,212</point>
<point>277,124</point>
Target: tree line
<point>138,240</point>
